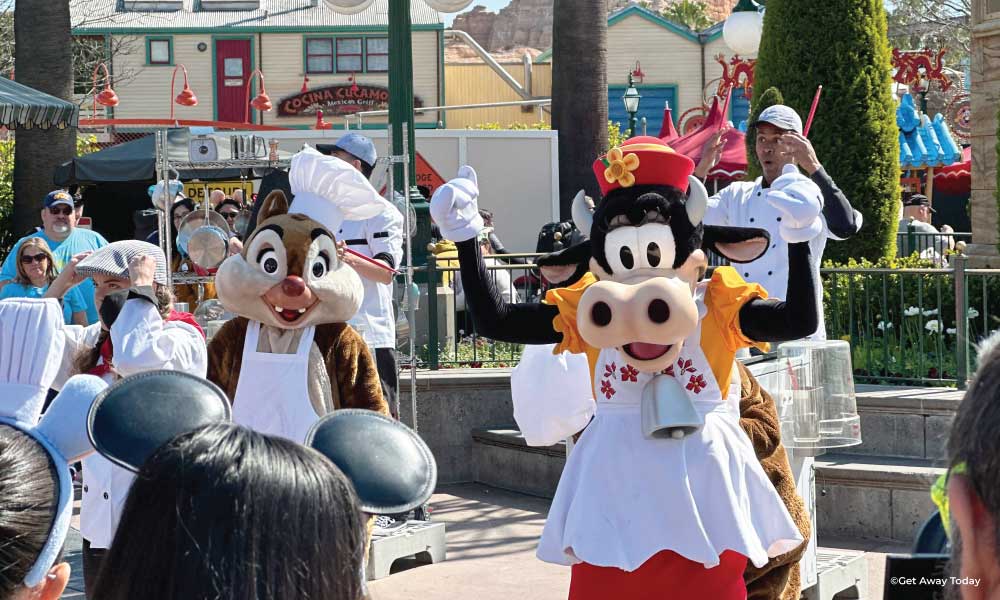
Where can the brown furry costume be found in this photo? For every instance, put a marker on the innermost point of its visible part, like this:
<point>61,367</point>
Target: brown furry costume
<point>342,371</point>
<point>347,360</point>
<point>779,578</point>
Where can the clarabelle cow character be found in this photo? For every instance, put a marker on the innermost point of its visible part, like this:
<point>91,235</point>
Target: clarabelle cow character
<point>290,357</point>
<point>640,513</point>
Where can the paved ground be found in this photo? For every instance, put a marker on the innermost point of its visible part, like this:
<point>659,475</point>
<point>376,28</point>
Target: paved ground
<point>491,553</point>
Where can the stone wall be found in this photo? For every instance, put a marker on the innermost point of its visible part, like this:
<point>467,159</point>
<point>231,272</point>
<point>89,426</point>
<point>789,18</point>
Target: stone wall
<point>985,87</point>
<point>528,23</point>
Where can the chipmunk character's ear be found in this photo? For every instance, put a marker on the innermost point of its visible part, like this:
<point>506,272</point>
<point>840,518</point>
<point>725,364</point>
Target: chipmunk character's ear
<point>399,477</point>
<point>275,204</point>
<point>131,419</point>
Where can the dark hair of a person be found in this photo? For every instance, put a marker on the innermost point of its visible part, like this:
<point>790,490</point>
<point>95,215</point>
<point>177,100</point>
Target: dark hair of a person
<point>28,498</point>
<point>224,512</point>
<point>228,202</point>
<point>366,169</point>
<point>974,438</point>
<point>88,358</point>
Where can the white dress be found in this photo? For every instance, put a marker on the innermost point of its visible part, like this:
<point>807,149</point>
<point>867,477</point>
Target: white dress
<point>622,497</point>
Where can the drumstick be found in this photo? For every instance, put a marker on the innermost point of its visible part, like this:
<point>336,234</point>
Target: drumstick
<point>812,111</point>
<point>372,261</point>
<point>725,108</point>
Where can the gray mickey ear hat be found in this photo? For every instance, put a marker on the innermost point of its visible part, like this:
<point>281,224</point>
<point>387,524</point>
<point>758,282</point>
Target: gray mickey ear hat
<point>114,258</point>
<point>137,415</point>
<point>392,469</point>
<point>31,347</point>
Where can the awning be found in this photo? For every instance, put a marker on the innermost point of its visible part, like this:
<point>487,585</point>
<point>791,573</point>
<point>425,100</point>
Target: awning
<point>136,161</point>
<point>22,107</point>
<point>955,178</point>
<point>733,164</point>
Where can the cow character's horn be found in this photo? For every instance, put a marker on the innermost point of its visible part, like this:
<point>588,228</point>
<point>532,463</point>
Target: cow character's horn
<point>583,212</point>
<point>697,200</point>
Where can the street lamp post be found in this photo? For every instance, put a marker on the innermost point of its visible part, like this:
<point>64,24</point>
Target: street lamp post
<point>401,111</point>
<point>743,28</point>
<point>631,100</point>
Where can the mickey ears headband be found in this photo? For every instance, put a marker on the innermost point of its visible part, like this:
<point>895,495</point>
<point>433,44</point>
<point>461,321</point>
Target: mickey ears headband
<point>392,469</point>
<point>133,418</point>
<point>137,415</point>
<point>31,348</point>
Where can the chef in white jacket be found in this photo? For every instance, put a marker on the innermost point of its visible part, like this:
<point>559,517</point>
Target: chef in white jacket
<point>139,331</point>
<point>781,150</point>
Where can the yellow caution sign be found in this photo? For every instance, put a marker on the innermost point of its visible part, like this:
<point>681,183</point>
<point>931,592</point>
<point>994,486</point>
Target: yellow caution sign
<point>196,190</point>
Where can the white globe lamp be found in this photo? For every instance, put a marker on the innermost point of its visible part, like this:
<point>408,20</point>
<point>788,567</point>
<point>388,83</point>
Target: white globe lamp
<point>448,6</point>
<point>743,28</point>
<point>348,7</point>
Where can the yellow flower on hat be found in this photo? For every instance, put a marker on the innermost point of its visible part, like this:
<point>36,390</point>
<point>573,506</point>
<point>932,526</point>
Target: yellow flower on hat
<point>620,167</point>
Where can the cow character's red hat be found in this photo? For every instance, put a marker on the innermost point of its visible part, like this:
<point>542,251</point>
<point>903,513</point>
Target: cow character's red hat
<point>642,160</point>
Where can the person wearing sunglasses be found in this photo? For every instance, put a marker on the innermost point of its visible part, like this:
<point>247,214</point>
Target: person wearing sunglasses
<point>64,239</point>
<point>230,211</point>
<point>35,272</point>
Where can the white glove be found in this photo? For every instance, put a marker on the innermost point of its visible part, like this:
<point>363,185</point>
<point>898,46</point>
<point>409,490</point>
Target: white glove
<point>800,202</point>
<point>454,207</point>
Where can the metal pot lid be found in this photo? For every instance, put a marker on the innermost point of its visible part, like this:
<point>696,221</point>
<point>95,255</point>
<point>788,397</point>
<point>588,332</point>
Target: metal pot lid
<point>242,222</point>
<point>208,246</point>
<point>193,221</point>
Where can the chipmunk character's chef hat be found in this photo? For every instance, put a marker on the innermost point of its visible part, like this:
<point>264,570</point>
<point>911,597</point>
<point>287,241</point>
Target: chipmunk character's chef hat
<point>31,347</point>
<point>330,191</point>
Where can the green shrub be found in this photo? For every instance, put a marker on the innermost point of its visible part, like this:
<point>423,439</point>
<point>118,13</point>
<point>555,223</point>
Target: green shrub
<point>842,45</point>
<point>770,97</point>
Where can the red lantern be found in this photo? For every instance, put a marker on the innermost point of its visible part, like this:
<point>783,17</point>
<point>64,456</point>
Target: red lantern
<point>320,123</point>
<point>186,97</point>
<point>107,96</point>
<point>261,102</point>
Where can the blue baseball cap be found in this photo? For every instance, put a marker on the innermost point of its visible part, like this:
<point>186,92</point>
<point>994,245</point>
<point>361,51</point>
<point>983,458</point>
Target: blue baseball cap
<point>58,197</point>
<point>356,144</point>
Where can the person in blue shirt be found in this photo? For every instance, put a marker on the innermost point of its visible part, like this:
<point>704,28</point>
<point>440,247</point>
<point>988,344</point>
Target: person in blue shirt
<point>35,271</point>
<point>65,239</point>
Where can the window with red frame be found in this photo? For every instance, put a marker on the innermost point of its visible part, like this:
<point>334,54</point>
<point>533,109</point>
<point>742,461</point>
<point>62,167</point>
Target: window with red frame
<point>319,55</point>
<point>377,54</point>
<point>350,55</point>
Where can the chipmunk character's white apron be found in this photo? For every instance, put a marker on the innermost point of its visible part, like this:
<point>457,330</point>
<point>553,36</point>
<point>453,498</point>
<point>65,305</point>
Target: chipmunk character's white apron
<point>272,395</point>
<point>623,497</point>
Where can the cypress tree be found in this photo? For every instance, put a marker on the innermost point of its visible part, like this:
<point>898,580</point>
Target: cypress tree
<point>770,97</point>
<point>843,45</point>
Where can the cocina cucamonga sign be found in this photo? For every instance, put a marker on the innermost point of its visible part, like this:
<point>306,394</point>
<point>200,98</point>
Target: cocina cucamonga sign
<point>341,99</point>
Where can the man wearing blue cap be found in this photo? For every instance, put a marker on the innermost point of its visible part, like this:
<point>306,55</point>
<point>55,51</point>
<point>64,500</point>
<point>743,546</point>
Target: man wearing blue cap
<point>782,193</point>
<point>379,238</point>
<point>65,239</point>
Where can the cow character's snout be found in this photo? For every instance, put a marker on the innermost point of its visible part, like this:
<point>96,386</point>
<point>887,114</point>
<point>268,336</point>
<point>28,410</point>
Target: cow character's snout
<point>648,321</point>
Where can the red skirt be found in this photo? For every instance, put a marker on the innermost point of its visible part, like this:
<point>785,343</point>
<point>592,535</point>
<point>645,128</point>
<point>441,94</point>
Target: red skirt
<point>665,575</point>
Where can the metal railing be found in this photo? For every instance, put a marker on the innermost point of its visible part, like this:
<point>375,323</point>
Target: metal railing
<point>905,326</point>
<point>931,246</point>
<point>541,103</point>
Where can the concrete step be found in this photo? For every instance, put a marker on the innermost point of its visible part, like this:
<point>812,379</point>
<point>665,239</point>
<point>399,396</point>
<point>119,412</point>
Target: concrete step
<point>504,460</point>
<point>862,497</point>
<point>873,497</point>
<point>905,422</point>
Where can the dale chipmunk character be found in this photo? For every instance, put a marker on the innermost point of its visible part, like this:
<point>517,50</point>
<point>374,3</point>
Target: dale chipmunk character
<point>290,357</point>
<point>664,490</point>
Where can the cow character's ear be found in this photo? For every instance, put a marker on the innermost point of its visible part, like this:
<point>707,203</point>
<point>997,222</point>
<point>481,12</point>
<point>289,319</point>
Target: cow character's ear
<point>275,204</point>
<point>737,244</point>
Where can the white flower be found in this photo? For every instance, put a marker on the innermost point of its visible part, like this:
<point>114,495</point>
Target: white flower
<point>973,313</point>
<point>933,326</point>
<point>911,312</point>
<point>951,331</point>
<point>882,325</point>
<point>930,313</point>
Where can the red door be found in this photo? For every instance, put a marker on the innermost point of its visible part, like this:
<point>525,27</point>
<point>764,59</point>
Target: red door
<point>232,69</point>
